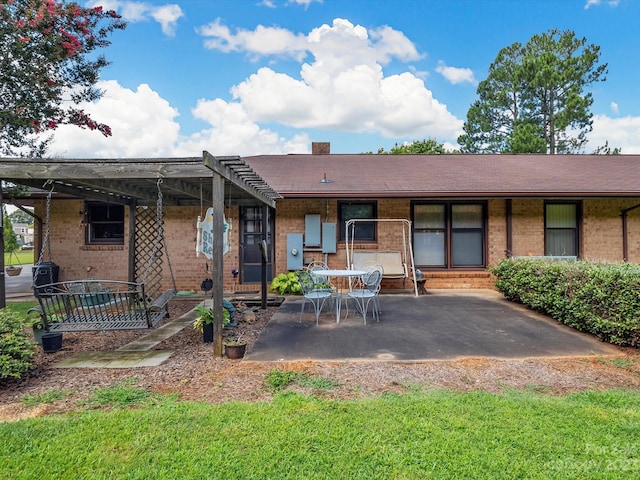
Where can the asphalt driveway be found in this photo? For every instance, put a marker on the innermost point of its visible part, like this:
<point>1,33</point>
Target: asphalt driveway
<point>442,325</point>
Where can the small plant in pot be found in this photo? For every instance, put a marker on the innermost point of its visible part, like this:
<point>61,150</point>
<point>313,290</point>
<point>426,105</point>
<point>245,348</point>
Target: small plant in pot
<point>34,318</point>
<point>234,347</point>
<point>204,321</point>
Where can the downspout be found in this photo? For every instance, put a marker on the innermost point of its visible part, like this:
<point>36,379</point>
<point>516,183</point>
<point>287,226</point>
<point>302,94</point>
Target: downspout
<point>3,291</point>
<point>625,242</point>
<point>508,206</point>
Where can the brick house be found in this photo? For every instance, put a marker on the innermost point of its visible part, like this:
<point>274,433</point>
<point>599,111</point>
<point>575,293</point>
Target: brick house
<point>467,212</point>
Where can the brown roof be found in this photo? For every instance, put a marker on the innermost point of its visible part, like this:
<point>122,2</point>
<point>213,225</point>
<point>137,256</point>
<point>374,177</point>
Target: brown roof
<point>415,176</point>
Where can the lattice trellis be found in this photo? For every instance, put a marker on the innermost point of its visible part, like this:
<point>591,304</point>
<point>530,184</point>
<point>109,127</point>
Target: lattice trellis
<point>148,257</point>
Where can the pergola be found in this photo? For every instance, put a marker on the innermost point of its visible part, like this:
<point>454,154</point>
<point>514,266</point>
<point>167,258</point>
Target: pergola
<point>133,182</point>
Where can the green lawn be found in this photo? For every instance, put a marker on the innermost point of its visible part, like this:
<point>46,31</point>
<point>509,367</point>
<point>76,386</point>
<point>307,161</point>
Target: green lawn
<point>19,257</point>
<point>423,434</point>
<point>22,307</point>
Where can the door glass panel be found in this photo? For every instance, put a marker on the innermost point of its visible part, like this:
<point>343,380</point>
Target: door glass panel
<point>466,248</point>
<point>251,235</point>
<point>429,217</point>
<point>428,249</point>
<point>466,216</point>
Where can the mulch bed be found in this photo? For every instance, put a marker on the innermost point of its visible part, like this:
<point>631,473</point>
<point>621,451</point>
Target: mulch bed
<point>195,374</point>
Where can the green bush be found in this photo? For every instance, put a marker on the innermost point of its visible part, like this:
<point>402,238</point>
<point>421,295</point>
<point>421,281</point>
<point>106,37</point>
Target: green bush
<point>16,348</point>
<point>286,283</point>
<point>593,297</point>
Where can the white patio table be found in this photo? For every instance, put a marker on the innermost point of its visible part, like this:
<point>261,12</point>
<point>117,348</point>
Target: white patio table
<point>341,274</point>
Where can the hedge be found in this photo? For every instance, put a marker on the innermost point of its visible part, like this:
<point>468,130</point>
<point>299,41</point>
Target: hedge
<point>16,348</point>
<point>602,299</point>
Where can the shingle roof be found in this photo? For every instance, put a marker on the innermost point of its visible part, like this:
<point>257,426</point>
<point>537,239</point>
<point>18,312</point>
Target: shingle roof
<point>418,176</point>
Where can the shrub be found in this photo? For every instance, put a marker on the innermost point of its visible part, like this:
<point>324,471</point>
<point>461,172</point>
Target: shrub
<point>286,283</point>
<point>16,348</point>
<point>594,297</point>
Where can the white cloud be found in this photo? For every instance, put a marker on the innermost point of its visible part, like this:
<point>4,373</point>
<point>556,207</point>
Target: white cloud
<point>144,125</point>
<point>591,3</point>
<point>456,75</point>
<point>615,108</point>
<point>621,133</point>
<point>336,40</point>
<point>166,15</point>
<point>234,133</point>
<point>344,87</point>
<point>306,3</point>
<point>261,41</point>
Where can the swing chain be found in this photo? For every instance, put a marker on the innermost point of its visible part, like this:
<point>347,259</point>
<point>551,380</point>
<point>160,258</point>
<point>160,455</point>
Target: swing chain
<point>46,244</point>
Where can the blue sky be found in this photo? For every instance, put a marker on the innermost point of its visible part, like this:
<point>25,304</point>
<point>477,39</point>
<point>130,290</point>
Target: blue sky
<point>247,77</point>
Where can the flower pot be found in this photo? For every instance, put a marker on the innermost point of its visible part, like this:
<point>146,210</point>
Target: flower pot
<point>52,342</point>
<point>207,332</point>
<point>38,333</point>
<point>235,351</point>
<point>13,271</point>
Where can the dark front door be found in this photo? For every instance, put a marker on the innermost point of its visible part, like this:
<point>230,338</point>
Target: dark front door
<point>252,226</point>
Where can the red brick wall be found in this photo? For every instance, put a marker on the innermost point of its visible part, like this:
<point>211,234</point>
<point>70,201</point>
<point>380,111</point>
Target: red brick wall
<point>77,260</point>
<point>601,239</point>
<point>528,227</point>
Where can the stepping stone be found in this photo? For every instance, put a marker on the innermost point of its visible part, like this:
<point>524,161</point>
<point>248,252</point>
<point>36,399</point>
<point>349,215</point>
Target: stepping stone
<point>115,359</point>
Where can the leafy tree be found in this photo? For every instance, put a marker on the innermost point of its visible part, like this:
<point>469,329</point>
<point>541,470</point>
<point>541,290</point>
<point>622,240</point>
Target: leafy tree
<point>422,147</point>
<point>18,216</point>
<point>10,237</point>
<point>47,69</point>
<point>607,150</point>
<point>533,99</point>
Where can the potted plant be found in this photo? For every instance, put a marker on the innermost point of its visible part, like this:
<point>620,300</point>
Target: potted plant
<point>204,321</point>
<point>34,318</point>
<point>234,347</point>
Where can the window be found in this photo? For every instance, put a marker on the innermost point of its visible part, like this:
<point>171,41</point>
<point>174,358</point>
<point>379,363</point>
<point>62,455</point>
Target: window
<point>105,224</point>
<point>363,231</point>
<point>449,235</point>
<point>561,229</point>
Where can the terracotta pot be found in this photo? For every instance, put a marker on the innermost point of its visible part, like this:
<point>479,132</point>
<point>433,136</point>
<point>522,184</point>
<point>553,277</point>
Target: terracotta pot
<point>235,351</point>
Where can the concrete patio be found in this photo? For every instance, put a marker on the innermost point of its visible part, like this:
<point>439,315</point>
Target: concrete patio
<point>442,325</point>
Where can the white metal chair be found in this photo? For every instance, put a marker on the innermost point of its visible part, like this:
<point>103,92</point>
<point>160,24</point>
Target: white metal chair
<point>314,290</point>
<point>369,291</point>
<point>314,267</point>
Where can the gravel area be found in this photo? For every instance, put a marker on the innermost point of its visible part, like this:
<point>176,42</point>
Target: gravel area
<point>195,374</point>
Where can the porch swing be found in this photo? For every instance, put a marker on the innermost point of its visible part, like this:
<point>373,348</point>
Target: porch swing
<point>396,264</point>
<point>99,305</point>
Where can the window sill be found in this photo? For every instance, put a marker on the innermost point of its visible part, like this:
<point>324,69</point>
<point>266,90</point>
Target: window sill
<point>102,248</point>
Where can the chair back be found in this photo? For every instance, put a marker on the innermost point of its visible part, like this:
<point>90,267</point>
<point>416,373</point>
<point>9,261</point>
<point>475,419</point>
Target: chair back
<point>372,280</point>
<point>314,267</point>
<point>311,283</point>
<point>307,282</point>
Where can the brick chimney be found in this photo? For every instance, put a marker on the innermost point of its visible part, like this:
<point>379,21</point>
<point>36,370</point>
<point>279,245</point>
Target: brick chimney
<point>320,148</point>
